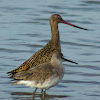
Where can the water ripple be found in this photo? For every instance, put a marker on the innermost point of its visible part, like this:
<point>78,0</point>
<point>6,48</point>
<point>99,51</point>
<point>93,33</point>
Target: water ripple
<point>24,27</point>
<point>74,81</point>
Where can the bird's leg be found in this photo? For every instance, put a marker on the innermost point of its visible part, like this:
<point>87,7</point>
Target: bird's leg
<point>43,93</point>
<point>34,93</point>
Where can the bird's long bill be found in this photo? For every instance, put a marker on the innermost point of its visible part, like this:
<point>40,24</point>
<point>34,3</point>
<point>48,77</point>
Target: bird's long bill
<point>73,25</point>
<point>69,60</point>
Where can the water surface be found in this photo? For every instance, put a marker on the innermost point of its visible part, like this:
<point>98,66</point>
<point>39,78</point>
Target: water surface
<point>24,29</point>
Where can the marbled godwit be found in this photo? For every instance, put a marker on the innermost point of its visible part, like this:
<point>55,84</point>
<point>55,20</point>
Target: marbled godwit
<point>44,54</point>
<point>43,76</point>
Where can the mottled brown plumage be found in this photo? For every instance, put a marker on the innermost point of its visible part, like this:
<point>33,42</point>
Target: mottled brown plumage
<point>39,73</point>
<point>43,76</point>
<point>44,54</point>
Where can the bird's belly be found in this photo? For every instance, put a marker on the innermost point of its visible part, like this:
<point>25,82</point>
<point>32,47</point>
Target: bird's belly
<point>50,82</point>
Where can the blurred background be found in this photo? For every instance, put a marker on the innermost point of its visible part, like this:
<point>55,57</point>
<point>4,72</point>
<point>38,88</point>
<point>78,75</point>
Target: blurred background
<point>24,29</point>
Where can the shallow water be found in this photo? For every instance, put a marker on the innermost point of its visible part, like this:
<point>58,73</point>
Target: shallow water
<point>24,29</point>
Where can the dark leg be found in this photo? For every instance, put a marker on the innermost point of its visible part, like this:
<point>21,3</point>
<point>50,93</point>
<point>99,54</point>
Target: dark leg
<point>43,93</point>
<point>34,93</point>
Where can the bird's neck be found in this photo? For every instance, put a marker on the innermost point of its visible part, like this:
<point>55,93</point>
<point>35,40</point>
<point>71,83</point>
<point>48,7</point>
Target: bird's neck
<point>56,62</point>
<point>55,33</point>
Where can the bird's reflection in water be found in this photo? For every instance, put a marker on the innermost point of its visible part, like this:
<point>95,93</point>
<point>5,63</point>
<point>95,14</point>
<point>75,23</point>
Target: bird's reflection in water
<point>30,96</point>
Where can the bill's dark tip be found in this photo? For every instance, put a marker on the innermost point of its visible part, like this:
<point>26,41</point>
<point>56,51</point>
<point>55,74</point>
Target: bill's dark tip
<point>71,61</point>
<point>80,27</point>
<point>76,63</point>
